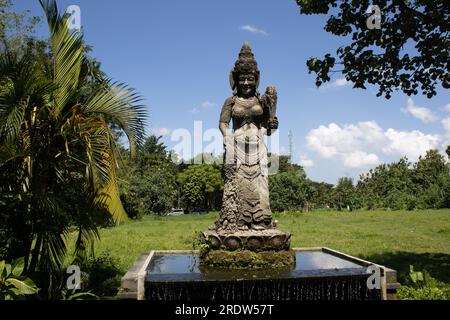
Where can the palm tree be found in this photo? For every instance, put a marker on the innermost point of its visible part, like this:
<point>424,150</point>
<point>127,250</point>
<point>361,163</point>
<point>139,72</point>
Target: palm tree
<point>56,142</point>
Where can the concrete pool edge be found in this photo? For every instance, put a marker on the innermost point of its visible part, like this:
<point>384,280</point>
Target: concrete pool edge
<point>132,283</point>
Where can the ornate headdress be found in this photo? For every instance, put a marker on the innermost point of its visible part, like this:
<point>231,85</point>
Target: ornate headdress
<point>245,64</point>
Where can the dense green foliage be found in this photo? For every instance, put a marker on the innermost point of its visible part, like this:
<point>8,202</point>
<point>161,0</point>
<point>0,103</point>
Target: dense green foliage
<point>400,185</point>
<point>289,188</point>
<point>153,184</point>
<point>380,56</point>
<point>57,151</point>
<point>387,186</point>
<point>421,286</point>
<point>102,276</point>
<point>148,181</point>
<point>321,195</point>
<point>16,29</point>
<point>13,284</point>
<point>344,194</point>
<point>201,186</point>
<point>394,186</point>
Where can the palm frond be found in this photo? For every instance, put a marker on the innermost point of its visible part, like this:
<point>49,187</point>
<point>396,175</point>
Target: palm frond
<point>101,166</point>
<point>22,87</point>
<point>120,103</point>
<point>11,119</point>
<point>109,197</point>
<point>87,234</point>
<point>67,47</point>
<point>95,135</point>
<point>53,233</point>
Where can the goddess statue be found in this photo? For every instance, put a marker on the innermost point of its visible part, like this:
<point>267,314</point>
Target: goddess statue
<point>245,221</point>
<point>246,189</point>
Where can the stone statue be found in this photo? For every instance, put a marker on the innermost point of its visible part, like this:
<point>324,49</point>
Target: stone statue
<point>246,190</point>
<point>245,220</point>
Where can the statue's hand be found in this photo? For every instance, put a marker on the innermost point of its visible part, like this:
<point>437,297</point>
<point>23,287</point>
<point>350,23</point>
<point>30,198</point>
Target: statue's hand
<point>227,142</point>
<point>273,124</point>
<point>271,91</point>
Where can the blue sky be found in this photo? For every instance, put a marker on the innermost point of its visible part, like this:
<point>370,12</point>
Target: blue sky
<point>178,55</point>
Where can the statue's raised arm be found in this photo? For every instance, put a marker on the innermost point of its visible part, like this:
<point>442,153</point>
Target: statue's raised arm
<point>270,99</point>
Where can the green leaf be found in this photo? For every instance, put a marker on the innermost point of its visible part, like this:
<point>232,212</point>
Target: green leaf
<point>419,276</point>
<point>8,270</point>
<point>17,267</point>
<point>13,292</point>
<point>25,287</point>
<point>2,267</point>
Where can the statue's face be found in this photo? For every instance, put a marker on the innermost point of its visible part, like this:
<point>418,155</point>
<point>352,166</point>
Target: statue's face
<point>247,85</point>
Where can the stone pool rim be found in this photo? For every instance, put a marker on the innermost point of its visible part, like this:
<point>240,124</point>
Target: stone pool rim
<point>133,282</point>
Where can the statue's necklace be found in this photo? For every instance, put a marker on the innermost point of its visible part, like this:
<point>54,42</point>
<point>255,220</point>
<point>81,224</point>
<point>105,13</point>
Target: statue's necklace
<point>246,102</point>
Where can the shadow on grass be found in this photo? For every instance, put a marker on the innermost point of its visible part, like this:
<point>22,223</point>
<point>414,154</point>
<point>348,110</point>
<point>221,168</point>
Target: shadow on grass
<point>437,264</point>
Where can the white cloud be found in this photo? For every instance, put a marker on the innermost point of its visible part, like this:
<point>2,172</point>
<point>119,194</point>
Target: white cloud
<point>332,140</point>
<point>359,145</point>
<point>306,163</point>
<point>160,131</point>
<point>446,124</point>
<point>410,143</point>
<point>208,104</point>
<point>338,83</point>
<point>360,159</point>
<point>446,137</point>
<point>423,114</point>
<point>446,108</point>
<point>253,29</point>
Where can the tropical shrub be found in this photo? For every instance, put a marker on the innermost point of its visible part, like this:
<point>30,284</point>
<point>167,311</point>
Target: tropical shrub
<point>426,293</point>
<point>102,276</point>
<point>13,284</point>
<point>421,286</point>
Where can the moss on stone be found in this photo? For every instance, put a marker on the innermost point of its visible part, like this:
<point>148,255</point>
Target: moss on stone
<point>246,259</point>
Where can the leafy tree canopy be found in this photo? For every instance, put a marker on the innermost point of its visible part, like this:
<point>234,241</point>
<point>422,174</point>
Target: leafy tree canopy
<point>15,28</point>
<point>200,184</point>
<point>344,193</point>
<point>153,145</point>
<point>409,52</point>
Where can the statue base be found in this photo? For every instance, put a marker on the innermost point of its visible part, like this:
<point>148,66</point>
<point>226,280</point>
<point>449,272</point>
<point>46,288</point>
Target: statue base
<point>246,259</point>
<point>253,240</point>
<point>249,249</point>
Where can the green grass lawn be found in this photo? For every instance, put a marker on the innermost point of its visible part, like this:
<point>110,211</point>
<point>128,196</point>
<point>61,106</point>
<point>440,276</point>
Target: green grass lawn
<point>395,239</point>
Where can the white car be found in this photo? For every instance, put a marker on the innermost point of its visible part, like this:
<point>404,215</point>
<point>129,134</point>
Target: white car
<point>176,212</point>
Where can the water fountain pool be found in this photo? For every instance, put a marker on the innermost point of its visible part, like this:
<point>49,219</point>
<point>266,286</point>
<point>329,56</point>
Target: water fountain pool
<point>319,274</point>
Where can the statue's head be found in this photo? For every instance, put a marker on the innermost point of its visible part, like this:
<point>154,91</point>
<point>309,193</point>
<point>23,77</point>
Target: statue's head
<point>244,77</point>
